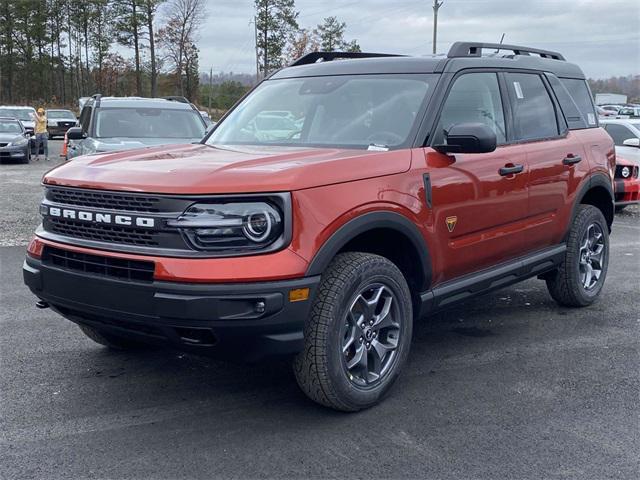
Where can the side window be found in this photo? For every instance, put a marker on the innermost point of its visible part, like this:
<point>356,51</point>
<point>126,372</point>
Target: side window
<point>85,118</point>
<point>534,116</point>
<point>580,94</point>
<point>572,113</point>
<point>474,97</point>
<point>619,133</point>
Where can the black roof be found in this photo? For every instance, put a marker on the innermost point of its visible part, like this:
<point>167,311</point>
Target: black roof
<point>462,55</point>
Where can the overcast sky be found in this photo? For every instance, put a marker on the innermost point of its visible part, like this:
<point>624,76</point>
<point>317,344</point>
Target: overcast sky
<point>603,37</point>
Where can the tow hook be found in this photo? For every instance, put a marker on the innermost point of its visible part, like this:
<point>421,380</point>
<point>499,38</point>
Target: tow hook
<point>42,304</point>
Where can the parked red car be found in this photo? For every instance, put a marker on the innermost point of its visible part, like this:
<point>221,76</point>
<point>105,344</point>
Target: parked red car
<point>627,183</point>
<point>396,187</point>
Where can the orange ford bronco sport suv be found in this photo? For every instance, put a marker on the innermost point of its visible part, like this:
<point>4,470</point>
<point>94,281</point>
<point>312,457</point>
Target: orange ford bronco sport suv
<point>332,206</point>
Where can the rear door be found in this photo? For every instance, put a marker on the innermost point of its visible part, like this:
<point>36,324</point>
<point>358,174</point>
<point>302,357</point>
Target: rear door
<point>556,157</point>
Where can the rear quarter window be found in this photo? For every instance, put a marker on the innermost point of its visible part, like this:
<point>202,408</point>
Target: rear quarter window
<point>579,91</point>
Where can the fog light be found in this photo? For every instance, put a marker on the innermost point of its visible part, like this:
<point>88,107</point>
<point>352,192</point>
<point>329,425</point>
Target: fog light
<point>298,295</point>
<point>260,307</point>
<point>625,172</point>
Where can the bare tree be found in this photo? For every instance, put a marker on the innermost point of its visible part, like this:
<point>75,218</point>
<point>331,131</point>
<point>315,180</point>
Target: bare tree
<point>177,38</point>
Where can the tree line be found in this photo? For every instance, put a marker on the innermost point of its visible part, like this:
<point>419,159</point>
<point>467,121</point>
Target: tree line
<point>629,86</point>
<point>55,51</point>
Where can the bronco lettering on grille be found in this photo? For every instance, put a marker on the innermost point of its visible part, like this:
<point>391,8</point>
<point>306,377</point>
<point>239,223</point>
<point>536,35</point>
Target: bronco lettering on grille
<point>106,218</point>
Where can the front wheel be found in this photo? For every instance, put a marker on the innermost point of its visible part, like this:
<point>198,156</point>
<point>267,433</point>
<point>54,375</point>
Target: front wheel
<point>358,335</point>
<point>579,280</point>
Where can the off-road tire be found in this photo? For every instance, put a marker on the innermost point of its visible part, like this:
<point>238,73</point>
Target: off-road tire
<point>318,368</point>
<point>564,284</point>
<point>112,341</point>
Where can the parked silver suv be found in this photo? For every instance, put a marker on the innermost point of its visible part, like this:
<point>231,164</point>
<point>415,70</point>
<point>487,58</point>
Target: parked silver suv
<point>123,123</point>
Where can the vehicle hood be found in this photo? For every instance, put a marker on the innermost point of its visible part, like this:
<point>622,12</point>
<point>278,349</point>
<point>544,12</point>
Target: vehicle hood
<point>628,153</point>
<point>28,123</point>
<point>9,137</point>
<point>203,169</point>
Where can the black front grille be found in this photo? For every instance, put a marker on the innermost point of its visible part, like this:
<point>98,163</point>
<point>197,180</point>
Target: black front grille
<point>3,144</point>
<point>634,171</point>
<point>102,233</point>
<point>120,268</point>
<point>106,200</point>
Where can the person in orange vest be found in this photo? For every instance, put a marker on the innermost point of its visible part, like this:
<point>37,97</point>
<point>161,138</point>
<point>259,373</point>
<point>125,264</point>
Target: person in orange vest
<point>42,137</point>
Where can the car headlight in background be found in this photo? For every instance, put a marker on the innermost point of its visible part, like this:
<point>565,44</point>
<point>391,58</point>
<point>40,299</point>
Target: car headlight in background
<point>625,172</point>
<point>233,226</point>
<point>19,142</point>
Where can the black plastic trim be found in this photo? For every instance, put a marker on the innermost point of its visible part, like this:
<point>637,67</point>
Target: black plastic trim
<point>500,276</point>
<point>597,179</point>
<point>428,191</point>
<point>367,222</point>
<point>474,49</point>
<point>241,321</point>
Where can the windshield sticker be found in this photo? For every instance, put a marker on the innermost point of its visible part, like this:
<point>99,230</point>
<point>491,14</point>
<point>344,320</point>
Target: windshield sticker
<point>591,118</point>
<point>518,89</point>
<point>378,148</point>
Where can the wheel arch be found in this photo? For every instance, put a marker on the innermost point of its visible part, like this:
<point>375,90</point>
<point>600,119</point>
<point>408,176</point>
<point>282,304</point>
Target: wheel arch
<point>386,233</point>
<point>596,191</point>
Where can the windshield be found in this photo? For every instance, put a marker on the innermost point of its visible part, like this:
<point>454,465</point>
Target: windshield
<point>60,115</point>
<point>349,111</point>
<point>148,123</point>
<point>24,114</point>
<point>10,126</point>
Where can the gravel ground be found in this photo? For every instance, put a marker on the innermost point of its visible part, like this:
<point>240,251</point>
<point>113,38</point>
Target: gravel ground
<point>20,196</point>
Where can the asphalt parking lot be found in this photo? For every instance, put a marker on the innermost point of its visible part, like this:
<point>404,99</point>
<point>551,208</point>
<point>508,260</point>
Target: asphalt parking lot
<point>506,386</point>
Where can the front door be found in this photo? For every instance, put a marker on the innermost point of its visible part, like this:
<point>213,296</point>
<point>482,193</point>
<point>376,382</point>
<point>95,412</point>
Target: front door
<point>479,201</point>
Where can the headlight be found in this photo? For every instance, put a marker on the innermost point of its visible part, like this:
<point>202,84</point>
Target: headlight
<point>19,142</point>
<point>233,226</point>
<point>625,172</point>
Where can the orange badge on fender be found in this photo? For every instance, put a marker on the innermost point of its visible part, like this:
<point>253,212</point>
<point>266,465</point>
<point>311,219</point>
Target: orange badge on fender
<point>451,223</point>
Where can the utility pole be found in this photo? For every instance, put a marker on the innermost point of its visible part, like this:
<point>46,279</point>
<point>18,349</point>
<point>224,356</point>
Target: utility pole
<point>436,6</point>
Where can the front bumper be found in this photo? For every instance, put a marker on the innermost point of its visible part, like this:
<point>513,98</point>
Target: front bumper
<point>18,152</point>
<point>244,322</point>
<point>627,191</point>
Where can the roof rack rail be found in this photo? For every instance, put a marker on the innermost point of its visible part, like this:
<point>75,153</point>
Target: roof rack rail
<point>96,97</point>
<point>315,57</point>
<point>474,49</point>
<point>176,98</point>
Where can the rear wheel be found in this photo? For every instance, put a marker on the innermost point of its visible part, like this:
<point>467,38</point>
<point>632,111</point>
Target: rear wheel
<point>109,340</point>
<point>358,335</point>
<point>579,280</point>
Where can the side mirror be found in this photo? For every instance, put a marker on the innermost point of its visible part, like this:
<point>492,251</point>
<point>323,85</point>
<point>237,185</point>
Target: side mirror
<point>76,133</point>
<point>468,138</point>
<point>632,142</point>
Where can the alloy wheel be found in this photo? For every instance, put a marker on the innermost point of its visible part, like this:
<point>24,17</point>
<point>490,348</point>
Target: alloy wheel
<point>370,335</point>
<point>592,253</point>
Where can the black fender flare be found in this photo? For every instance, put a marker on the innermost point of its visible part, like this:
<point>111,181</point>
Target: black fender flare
<point>372,221</point>
<point>596,180</point>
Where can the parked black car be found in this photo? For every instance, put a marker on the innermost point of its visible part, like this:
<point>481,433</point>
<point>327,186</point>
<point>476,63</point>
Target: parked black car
<point>14,140</point>
<point>59,121</point>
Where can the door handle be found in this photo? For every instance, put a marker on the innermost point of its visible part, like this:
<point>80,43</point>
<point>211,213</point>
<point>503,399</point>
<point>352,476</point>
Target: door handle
<point>571,159</point>
<point>504,171</point>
